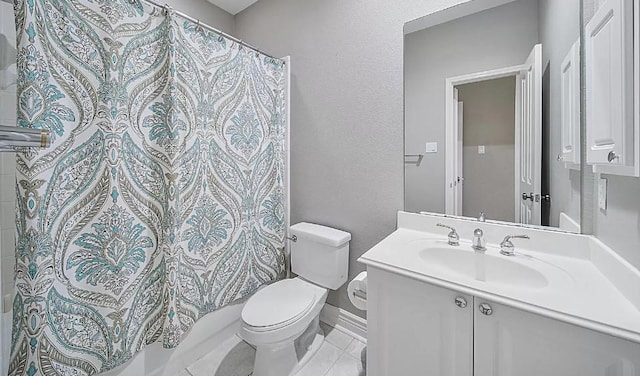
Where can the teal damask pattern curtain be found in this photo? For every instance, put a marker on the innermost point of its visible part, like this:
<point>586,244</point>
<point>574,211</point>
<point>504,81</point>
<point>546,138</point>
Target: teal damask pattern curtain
<point>162,196</point>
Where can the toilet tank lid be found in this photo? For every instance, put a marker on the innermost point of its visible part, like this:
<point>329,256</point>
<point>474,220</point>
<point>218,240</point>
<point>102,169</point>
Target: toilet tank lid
<point>320,234</point>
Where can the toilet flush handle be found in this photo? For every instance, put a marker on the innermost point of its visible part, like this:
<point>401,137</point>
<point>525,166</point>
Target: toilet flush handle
<point>293,238</point>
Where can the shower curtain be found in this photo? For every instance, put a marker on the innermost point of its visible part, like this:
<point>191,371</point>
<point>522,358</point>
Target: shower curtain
<point>162,196</point>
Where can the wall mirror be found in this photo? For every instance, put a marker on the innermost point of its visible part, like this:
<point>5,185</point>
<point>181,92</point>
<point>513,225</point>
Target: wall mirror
<point>492,112</point>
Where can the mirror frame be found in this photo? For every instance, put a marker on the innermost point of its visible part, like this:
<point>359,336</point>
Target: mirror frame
<point>587,177</point>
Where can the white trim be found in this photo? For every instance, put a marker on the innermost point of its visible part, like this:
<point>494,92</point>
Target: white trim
<point>459,184</point>
<point>6,303</point>
<point>344,321</point>
<point>486,75</point>
<point>287,162</point>
<point>450,126</point>
<point>516,151</point>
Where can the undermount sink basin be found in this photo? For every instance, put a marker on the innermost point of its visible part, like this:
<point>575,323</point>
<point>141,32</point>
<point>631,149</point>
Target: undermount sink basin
<point>496,269</point>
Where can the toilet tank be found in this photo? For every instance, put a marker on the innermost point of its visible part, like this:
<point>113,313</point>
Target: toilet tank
<point>320,254</point>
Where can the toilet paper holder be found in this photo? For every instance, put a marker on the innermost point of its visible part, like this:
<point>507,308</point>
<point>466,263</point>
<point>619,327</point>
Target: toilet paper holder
<point>357,290</point>
<point>360,294</point>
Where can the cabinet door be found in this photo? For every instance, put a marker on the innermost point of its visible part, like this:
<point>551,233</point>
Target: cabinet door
<point>511,342</point>
<point>609,91</point>
<point>570,106</point>
<point>416,329</point>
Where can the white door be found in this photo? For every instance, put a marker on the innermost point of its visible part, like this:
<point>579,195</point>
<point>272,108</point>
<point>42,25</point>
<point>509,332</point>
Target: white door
<point>459,174</point>
<point>609,92</point>
<point>529,139</point>
<point>510,342</point>
<point>415,328</point>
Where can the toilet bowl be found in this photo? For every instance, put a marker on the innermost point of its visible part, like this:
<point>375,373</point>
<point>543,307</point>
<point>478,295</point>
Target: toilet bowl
<point>282,319</point>
<point>274,320</point>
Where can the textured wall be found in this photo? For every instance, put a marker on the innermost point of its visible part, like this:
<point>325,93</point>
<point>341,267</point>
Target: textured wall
<point>492,39</point>
<point>490,120</point>
<point>347,111</point>
<point>619,225</point>
<point>205,12</point>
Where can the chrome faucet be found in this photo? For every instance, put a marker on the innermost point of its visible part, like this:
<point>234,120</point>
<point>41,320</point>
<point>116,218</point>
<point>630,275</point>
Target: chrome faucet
<point>506,247</point>
<point>454,239</point>
<point>479,243</point>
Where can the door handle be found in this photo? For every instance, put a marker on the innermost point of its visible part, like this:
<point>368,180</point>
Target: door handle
<point>461,302</point>
<point>529,196</point>
<point>612,156</point>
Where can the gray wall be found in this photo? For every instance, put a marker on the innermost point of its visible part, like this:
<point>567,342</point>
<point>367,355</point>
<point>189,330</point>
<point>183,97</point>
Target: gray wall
<point>489,119</point>
<point>619,225</point>
<point>492,39</point>
<point>347,110</point>
<point>559,30</point>
<point>205,12</point>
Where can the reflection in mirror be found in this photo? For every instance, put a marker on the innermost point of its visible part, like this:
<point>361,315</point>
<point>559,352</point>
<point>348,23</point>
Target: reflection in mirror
<point>492,125</point>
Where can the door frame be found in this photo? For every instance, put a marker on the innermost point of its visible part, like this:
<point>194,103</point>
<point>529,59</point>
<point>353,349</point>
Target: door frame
<point>459,155</point>
<point>451,129</point>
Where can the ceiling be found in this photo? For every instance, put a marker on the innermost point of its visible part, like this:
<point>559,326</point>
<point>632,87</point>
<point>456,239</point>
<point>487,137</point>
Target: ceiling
<point>233,6</point>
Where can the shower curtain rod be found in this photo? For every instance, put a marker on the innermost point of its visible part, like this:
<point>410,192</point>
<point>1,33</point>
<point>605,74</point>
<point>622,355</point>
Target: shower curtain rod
<point>13,138</point>
<point>197,21</point>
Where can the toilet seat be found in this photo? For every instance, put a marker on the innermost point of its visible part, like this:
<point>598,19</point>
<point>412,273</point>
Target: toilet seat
<point>279,305</point>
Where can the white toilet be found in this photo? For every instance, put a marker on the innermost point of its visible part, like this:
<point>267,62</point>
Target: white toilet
<point>282,319</point>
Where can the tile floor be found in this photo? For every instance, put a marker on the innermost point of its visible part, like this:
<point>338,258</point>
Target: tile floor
<point>339,355</point>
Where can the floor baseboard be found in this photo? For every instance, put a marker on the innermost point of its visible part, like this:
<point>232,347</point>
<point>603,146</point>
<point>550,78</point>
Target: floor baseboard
<point>345,321</point>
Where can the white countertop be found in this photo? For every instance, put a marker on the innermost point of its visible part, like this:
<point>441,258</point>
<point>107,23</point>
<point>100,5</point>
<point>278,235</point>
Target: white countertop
<point>588,284</point>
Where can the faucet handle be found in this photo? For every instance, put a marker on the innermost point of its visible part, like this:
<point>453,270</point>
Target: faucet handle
<point>479,242</point>
<point>454,238</point>
<point>507,247</point>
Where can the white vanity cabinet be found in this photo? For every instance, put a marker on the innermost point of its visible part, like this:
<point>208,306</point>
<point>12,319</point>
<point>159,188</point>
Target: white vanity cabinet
<point>570,108</point>
<point>613,141</point>
<point>417,328</point>
<point>513,342</point>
